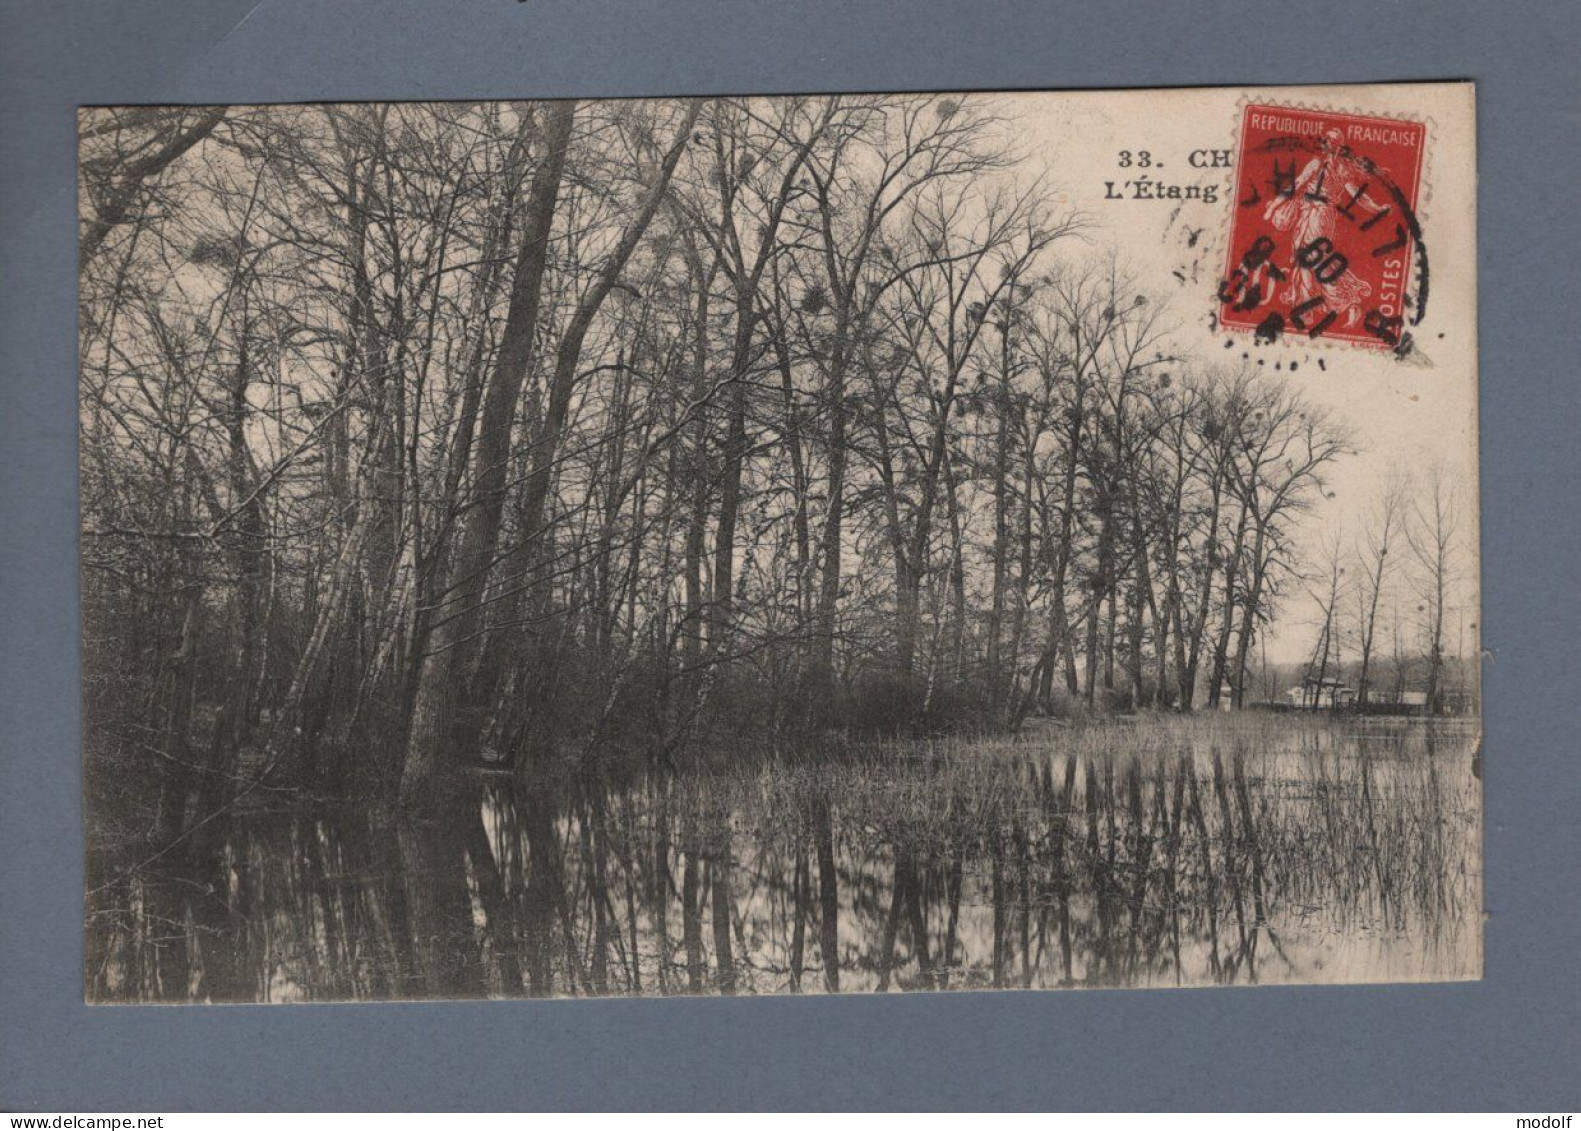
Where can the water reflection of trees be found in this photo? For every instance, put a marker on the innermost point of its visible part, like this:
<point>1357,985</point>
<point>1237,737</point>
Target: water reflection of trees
<point>1325,859</point>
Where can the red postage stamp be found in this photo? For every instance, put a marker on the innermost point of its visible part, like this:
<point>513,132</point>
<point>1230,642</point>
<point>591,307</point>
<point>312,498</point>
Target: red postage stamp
<point>1325,240</point>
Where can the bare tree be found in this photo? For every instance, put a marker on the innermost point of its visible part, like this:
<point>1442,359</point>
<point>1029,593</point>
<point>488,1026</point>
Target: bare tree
<point>149,141</point>
<point>419,435</point>
<point>1431,532</point>
<point>1375,566</point>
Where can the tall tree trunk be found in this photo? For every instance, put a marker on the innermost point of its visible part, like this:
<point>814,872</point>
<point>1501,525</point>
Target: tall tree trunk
<point>1001,546</point>
<point>1021,592</point>
<point>1221,650</point>
<point>1190,652</point>
<point>249,552</point>
<point>459,613</point>
<point>957,618</point>
<point>1254,596</point>
<point>722,612</point>
<point>833,524</point>
<point>176,784</point>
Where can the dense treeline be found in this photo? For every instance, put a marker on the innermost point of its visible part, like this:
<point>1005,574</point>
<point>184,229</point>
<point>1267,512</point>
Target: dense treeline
<point>414,434</point>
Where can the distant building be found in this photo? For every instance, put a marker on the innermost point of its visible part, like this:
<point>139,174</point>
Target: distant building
<point>1402,702</point>
<point>1321,694</point>
<point>1451,702</point>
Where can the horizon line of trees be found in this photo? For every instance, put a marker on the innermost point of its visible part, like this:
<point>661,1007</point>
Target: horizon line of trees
<point>1398,584</point>
<point>411,432</point>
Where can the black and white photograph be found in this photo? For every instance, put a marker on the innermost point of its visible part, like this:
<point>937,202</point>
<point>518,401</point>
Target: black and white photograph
<point>794,544</point>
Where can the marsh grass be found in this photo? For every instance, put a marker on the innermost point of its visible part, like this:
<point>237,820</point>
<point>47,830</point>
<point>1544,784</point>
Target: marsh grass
<point>1235,828</point>
<point>1159,851</point>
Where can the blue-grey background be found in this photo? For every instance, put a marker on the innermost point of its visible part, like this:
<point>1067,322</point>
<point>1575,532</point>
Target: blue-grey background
<point>1510,1042</point>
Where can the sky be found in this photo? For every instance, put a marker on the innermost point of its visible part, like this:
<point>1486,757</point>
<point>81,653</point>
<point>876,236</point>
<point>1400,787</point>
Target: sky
<point>1402,414</point>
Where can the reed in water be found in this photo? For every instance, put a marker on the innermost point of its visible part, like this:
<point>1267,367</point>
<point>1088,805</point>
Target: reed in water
<point>1216,849</point>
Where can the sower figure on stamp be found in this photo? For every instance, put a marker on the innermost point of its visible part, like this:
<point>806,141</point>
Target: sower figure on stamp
<point>1309,213</point>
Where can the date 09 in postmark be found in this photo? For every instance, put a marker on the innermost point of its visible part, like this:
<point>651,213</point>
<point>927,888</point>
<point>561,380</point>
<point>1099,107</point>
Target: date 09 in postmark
<point>1324,240</point>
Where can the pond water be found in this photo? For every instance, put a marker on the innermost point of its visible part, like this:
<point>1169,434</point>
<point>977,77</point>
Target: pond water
<point>1190,853</point>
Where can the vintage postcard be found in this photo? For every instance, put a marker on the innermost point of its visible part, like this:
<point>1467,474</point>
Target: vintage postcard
<point>832,543</point>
